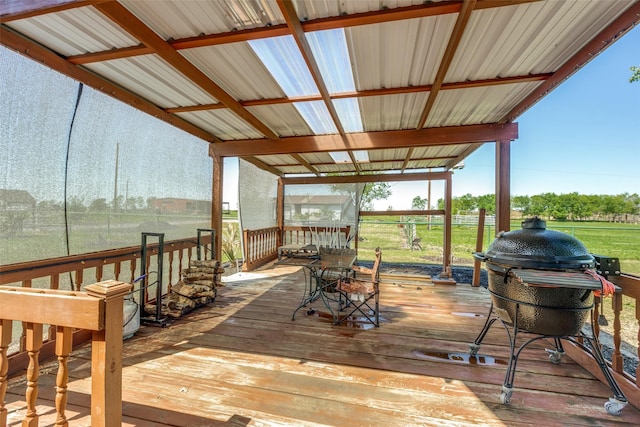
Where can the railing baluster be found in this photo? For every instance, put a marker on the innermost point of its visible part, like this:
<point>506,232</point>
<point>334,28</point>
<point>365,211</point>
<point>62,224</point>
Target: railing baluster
<point>596,315</point>
<point>5,340</point>
<point>34,344</point>
<point>64,343</point>
<point>616,360</point>
<point>79,279</point>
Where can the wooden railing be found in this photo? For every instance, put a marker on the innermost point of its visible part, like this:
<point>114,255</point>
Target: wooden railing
<point>261,246</point>
<point>99,309</point>
<point>630,286</point>
<point>116,264</point>
<point>305,235</point>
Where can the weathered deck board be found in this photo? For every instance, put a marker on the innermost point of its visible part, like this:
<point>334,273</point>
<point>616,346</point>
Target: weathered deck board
<point>243,361</point>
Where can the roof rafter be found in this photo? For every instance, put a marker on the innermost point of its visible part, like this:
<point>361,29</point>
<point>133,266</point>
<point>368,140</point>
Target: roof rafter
<point>370,140</point>
<point>356,19</point>
<point>452,47</point>
<point>370,162</point>
<point>293,22</point>
<point>130,23</point>
<point>372,92</point>
<point>262,165</point>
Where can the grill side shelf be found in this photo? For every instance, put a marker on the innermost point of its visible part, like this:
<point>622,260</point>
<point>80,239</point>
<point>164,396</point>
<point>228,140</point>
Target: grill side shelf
<point>555,279</point>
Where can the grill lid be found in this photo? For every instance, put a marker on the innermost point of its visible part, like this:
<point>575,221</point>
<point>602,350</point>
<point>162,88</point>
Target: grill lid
<point>536,247</point>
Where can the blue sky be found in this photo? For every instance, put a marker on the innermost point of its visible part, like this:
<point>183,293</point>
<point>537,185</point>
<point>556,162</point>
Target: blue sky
<point>583,137</point>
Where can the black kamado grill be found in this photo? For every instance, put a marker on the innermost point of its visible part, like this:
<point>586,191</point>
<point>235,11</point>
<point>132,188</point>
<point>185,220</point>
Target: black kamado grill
<point>541,282</point>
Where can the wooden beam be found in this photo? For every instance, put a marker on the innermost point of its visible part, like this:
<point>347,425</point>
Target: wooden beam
<point>401,13</point>
<point>130,23</point>
<point>217,188</point>
<point>370,140</point>
<point>446,249</point>
<point>403,212</point>
<point>342,21</point>
<point>599,43</point>
<point>466,153</point>
<point>503,186</point>
<point>280,211</point>
<point>44,56</point>
<point>370,92</point>
<point>262,165</point>
<point>304,163</point>
<point>452,47</point>
<point>17,9</point>
<point>348,179</point>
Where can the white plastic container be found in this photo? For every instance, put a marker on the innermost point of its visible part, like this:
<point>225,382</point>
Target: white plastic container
<point>131,317</point>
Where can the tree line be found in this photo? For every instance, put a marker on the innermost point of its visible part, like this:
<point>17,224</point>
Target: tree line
<point>571,207</point>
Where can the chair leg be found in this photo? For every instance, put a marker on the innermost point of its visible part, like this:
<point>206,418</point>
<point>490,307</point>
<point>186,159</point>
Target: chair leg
<point>359,306</point>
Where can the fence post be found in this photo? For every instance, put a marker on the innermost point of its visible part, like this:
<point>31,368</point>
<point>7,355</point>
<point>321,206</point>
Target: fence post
<point>106,355</point>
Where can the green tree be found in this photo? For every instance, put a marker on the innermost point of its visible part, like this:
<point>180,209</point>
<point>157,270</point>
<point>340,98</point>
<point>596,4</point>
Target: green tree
<point>374,191</point>
<point>76,204</point>
<point>99,205</point>
<point>635,74</point>
<point>418,203</point>
<point>464,204</point>
<point>488,202</point>
<point>522,204</point>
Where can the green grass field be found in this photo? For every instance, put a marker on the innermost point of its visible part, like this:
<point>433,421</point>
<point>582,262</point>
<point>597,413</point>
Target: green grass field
<point>620,241</point>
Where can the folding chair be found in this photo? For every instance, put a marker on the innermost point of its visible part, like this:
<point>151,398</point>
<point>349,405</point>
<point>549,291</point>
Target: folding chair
<point>360,294</point>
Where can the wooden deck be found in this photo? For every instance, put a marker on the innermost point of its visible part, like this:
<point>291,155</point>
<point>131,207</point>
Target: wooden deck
<point>243,362</point>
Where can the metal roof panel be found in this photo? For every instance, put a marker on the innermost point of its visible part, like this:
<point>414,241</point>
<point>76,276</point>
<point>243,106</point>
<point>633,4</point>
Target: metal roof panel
<point>74,32</point>
<point>222,123</point>
<point>181,19</point>
<point>153,79</point>
<point>236,69</point>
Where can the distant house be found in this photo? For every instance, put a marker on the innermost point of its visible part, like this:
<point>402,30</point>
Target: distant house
<point>318,207</point>
<point>16,200</point>
<point>180,206</point>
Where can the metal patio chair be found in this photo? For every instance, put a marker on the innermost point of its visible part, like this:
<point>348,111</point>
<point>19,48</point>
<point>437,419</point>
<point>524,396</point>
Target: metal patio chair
<point>361,294</point>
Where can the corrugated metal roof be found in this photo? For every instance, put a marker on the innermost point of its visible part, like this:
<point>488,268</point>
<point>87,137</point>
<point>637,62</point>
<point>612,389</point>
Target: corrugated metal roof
<point>250,72</point>
<point>74,32</point>
<point>236,69</point>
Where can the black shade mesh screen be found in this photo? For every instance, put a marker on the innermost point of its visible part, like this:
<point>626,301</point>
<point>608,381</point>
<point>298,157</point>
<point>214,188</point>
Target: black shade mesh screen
<point>257,193</point>
<point>329,206</point>
<point>83,172</point>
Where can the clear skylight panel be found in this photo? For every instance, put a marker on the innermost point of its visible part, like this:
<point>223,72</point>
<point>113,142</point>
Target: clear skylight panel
<point>332,56</point>
<point>330,51</point>
<point>284,61</point>
<point>348,111</point>
<point>317,116</point>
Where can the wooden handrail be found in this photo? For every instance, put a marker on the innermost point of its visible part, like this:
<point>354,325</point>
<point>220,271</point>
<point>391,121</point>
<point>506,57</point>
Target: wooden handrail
<point>261,246</point>
<point>123,261</point>
<point>100,310</point>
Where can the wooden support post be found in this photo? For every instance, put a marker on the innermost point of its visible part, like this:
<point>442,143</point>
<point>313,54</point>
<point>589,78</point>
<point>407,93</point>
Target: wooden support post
<point>216,205</point>
<point>280,213</point>
<point>475,281</point>
<point>446,256</point>
<point>503,182</point>
<point>106,355</point>
<point>5,340</point>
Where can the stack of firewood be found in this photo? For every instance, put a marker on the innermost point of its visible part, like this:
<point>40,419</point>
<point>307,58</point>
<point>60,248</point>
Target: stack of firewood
<point>197,287</point>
